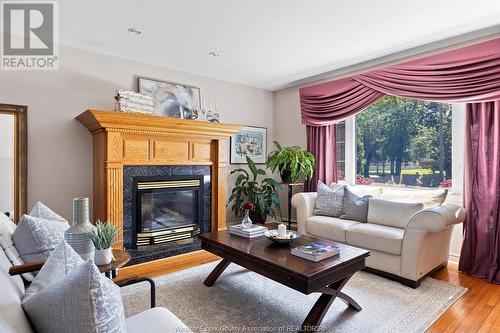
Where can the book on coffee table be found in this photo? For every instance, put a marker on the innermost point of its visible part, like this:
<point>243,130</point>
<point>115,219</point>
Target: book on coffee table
<point>316,251</point>
<point>254,231</point>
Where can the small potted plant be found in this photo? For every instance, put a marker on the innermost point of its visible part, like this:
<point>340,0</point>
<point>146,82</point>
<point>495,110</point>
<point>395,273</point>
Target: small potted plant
<point>103,236</point>
<point>292,162</point>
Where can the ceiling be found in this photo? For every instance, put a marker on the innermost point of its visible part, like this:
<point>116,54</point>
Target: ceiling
<point>267,44</point>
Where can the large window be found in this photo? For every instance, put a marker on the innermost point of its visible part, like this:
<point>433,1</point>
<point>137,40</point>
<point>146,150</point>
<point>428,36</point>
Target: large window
<point>398,142</point>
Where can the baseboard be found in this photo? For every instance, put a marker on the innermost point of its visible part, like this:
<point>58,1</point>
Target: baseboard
<point>168,265</point>
<point>453,259</point>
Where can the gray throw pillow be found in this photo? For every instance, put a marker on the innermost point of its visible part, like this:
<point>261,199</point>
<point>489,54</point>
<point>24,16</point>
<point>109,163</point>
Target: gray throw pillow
<point>35,237</point>
<point>44,212</point>
<point>61,261</point>
<point>82,301</point>
<point>355,208</point>
<point>329,202</point>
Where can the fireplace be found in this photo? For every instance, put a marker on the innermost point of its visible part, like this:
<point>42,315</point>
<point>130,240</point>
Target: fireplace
<point>127,145</point>
<point>167,209</point>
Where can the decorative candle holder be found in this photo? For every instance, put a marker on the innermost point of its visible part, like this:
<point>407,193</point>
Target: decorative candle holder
<point>77,235</point>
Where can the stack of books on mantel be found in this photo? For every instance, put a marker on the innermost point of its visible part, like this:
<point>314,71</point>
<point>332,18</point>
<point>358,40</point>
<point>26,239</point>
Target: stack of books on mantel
<point>252,232</point>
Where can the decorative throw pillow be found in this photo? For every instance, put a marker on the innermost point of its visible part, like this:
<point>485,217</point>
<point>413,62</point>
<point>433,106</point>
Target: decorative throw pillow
<point>44,212</point>
<point>392,213</point>
<point>328,201</point>
<point>7,228</point>
<point>355,208</point>
<point>36,237</point>
<point>82,301</point>
<point>61,261</point>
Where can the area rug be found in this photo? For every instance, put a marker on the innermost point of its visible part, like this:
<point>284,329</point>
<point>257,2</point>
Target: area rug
<point>243,301</point>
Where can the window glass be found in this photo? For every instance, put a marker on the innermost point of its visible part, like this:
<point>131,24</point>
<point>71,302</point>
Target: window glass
<point>340,130</point>
<point>403,142</point>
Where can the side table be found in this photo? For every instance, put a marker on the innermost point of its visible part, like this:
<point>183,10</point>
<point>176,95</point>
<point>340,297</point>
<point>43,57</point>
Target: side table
<point>122,257</point>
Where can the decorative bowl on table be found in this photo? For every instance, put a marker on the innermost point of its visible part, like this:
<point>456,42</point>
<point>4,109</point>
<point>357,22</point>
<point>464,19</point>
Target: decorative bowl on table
<point>290,236</point>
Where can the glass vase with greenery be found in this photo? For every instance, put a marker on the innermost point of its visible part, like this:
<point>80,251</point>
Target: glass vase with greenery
<point>262,194</point>
<point>292,163</point>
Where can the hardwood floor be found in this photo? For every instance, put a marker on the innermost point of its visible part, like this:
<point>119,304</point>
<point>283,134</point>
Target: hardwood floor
<point>477,311</point>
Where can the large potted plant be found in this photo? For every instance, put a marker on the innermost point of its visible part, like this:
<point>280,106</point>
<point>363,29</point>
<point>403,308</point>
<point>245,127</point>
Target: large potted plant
<point>262,194</point>
<point>292,163</point>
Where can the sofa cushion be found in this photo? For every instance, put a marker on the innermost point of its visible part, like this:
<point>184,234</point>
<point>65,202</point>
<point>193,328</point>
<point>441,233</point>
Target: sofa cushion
<point>331,228</point>
<point>12,317</point>
<point>355,208</point>
<point>430,198</point>
<point>329,201</point>
<point>82,301</point>
<point>361,190</point>
<point>155,320</point>
<point>36,237</point>
<point>391,213</point>
<point>376,237</point>
<point>7,228</point>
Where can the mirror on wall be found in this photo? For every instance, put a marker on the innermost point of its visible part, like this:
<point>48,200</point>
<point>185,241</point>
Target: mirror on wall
<point>7,150</point>
<point>13,160</point>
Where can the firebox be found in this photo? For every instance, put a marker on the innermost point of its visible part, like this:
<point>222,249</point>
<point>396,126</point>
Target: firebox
<point>167,209</point>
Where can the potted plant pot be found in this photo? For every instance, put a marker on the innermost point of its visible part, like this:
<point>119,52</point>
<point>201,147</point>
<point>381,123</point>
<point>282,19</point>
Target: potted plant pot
<point>257,218</point>
<point>286,176</point>
<point>103,257</point>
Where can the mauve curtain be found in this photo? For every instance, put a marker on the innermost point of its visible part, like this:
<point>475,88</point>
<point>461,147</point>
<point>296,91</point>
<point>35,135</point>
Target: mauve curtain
<point>319,142</point>
<point>480,255</point>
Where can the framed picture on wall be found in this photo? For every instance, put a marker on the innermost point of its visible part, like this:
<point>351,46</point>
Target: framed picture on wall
<point>250,141</point>
<point>171,99</point>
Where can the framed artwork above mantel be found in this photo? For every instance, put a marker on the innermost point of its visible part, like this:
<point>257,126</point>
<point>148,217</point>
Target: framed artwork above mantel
<point>171,99</point>
<point>250,141</point>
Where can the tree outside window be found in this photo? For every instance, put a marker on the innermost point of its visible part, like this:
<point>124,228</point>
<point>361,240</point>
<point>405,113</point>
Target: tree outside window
<point>403,141</point>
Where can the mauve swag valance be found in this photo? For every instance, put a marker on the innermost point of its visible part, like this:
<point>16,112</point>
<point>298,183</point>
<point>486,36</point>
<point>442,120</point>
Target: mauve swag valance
<point>469,75</point>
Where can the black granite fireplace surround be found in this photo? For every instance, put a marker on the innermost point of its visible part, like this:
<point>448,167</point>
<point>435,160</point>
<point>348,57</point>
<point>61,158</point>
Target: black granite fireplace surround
<point>152,252</point>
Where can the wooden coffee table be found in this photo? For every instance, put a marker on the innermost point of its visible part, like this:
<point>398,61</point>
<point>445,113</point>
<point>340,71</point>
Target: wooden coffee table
<point>260,255</point>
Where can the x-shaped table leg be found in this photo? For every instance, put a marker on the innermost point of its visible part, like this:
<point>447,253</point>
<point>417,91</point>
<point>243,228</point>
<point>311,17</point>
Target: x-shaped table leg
<point>322,305</point>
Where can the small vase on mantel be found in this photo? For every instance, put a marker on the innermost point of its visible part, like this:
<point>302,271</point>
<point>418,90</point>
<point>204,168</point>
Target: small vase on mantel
<point>77,235</point>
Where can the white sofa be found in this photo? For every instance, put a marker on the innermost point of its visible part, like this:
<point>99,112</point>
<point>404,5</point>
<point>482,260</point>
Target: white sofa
<point>407,254</point>
<point>14,320</point>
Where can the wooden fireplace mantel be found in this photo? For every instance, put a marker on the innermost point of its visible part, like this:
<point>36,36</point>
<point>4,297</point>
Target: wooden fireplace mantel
<point>134,139</point>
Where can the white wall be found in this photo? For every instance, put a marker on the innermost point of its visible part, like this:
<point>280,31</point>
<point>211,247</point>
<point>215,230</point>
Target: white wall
<point>289,129</point>
<point>60,148</point>
<point>6,163</point>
